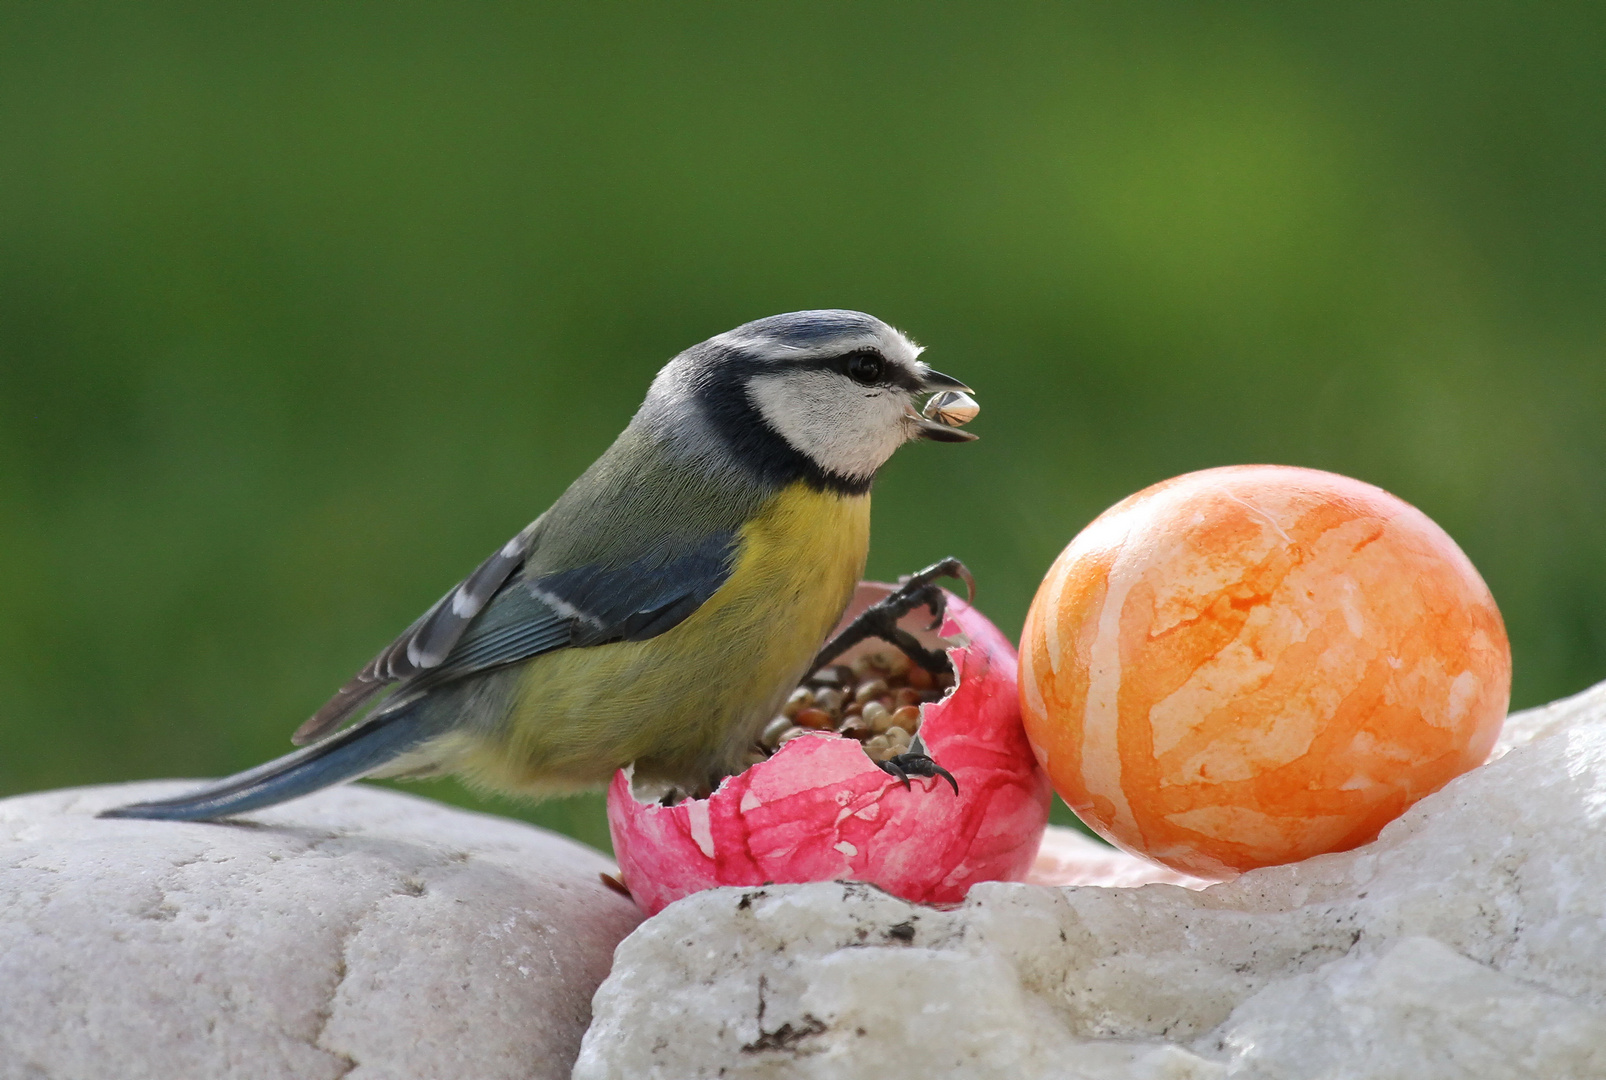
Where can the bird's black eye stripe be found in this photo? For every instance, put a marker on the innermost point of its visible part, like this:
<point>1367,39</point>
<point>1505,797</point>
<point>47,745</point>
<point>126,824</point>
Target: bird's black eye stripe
<point>865,366</point>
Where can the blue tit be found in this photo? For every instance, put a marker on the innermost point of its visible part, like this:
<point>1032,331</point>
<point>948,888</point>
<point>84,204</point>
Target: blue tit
<point>661,611</point>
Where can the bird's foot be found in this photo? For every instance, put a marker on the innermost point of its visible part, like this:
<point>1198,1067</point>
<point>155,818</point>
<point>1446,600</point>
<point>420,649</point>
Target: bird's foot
<point>880,619</point>
<point>916,763</point>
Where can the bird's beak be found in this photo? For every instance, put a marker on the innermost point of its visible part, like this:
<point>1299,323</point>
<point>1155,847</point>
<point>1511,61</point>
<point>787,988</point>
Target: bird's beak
<point>936,380</point>
<point>930,429</point>
<point>925,428</point>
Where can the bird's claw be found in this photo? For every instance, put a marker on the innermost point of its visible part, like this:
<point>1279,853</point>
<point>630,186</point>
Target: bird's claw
<point>915,764</point>
<point>880,619</point>
<point>949,568</point>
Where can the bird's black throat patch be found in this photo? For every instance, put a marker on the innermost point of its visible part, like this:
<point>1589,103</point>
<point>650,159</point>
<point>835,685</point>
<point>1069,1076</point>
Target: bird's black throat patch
<point>751,441</point>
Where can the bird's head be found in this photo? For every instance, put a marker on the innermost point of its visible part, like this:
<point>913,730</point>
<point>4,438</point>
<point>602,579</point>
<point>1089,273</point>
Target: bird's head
<point>836,388</point>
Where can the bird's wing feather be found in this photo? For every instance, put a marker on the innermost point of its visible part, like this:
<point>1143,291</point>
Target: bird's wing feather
<point>631,548</point>
<point>471,629</point>
<point>590,605</point>
<point>425,643</point>
<point>643,597</point>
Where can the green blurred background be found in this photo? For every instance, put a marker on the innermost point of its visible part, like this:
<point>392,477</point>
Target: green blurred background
<point>306,307</point>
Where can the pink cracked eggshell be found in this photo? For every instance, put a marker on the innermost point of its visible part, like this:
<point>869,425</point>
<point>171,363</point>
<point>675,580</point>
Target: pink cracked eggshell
<point>820,810</point>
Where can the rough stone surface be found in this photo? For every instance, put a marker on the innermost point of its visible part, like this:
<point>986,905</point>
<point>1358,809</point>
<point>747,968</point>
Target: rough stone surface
<point>1468,941</point>
<point>356,933</point>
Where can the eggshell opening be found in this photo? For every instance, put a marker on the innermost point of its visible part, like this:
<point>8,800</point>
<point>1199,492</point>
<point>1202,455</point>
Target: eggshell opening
<point>819,809</point>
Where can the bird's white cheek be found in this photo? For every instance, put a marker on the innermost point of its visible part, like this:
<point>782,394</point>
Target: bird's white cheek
<point>863,431</point>
<point>843,428</point>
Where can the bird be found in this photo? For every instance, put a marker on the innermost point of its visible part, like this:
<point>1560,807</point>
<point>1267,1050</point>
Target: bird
<point>661,611</point>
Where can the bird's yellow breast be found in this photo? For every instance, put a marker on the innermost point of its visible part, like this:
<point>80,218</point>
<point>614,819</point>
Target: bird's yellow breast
<point>687,705</point>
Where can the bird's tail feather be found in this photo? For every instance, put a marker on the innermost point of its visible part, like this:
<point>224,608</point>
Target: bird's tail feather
<point>357,751</point>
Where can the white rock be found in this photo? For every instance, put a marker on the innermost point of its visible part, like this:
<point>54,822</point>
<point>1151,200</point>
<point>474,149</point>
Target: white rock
<point>1419,1008</point>
<point>1524,727</point>
<point>356,933</point>
<point>1468,941</point>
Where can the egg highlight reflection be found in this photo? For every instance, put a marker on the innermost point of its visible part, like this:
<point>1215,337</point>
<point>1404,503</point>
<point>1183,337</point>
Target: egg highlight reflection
<point>1253,665</point>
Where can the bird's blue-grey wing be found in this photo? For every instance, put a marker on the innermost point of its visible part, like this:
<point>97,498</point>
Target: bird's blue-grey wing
<point>595,604</point>
<point>471,630</point>
<point>424,644</point>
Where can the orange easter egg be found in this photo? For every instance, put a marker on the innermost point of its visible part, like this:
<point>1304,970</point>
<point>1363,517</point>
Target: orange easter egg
<point>1256,664</point>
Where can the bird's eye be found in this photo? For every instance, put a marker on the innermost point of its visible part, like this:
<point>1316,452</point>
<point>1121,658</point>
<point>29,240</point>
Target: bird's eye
<point>866,367</point>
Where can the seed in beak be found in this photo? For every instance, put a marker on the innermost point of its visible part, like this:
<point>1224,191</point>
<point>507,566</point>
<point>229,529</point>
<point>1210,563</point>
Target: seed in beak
<point>951,407</point>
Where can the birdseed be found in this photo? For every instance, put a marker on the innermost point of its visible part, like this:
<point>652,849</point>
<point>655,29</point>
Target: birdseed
<point>876,700</point>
